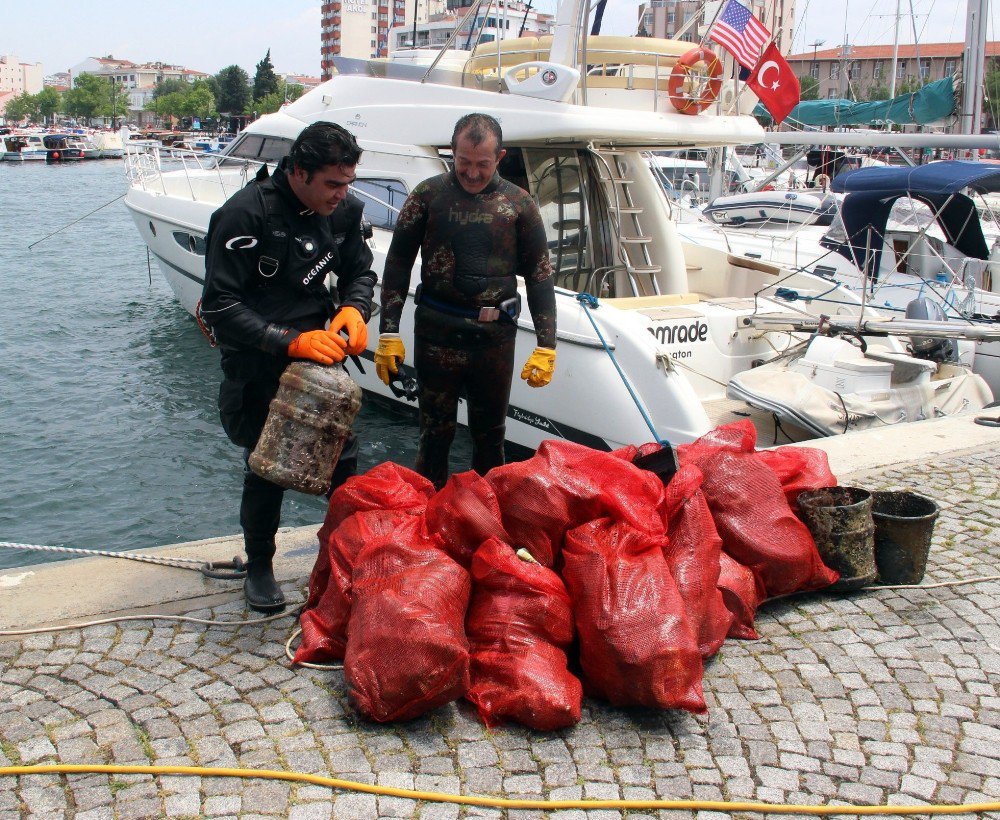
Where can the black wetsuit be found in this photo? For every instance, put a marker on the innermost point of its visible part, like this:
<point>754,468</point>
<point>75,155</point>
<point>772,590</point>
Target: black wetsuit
<point>472,247</point>
<point>266,268</point>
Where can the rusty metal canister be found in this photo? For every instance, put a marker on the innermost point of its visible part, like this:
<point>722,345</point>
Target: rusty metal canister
<point>307,425</point>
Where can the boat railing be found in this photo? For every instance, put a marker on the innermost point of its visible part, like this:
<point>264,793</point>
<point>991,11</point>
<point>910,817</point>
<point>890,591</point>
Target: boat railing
<point>204,179</point>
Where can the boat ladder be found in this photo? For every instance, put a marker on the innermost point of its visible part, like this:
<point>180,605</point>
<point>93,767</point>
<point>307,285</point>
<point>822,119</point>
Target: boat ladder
<point>626,216</point>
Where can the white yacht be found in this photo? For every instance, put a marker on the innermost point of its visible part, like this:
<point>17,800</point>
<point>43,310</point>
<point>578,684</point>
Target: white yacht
<point>649,333</point>
<point>23,148</point>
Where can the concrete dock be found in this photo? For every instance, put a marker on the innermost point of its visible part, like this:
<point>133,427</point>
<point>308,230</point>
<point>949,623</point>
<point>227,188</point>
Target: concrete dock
<point>877,697</point>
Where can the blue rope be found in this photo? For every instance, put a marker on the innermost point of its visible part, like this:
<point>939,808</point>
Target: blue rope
<point>587,301</point>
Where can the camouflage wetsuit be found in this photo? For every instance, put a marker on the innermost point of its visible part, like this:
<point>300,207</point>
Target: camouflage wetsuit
<point>266,270</point>
<point>472,247</point>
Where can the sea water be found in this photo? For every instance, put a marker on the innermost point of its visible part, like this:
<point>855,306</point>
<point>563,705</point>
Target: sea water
<point>109,429</point>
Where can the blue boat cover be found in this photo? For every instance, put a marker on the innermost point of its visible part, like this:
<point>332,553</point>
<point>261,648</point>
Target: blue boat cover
<point>873,191</point>
<point>947,177</point>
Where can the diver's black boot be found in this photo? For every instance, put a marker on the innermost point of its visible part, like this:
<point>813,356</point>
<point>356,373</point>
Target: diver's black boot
<point>261,590</point>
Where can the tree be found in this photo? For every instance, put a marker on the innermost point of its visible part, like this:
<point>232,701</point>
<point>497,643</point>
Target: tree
<point>287,92</point>
<point>232,92</point>
<point>265,81</point>
<point>168,86</point>
<point>877,92</point>
<point>22,107</point>
<point>192,100</point>
<point>49,102</point>
<point>199,101</point>
<point>94,96</point>
<point>808,87</point>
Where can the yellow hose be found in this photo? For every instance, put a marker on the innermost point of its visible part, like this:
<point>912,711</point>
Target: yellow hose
<point>495,802</point>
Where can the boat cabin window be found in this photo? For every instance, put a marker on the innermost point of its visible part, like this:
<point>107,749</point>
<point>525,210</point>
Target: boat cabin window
<point>382,199</point>
<point>560,182</point>
<point>258,147</point>
<point>190,242</point>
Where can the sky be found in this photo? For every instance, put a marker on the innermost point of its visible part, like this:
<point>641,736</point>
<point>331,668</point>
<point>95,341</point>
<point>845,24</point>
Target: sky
<point>210,36</point>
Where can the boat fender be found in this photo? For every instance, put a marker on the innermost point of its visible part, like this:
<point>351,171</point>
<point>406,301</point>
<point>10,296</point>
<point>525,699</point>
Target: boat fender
<point>706,87</point>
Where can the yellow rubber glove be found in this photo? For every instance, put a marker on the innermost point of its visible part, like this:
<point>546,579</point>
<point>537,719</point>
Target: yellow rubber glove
<point>389,356</point>
<point>318,346</point>
<point>541,364</point>
<point>350,319</point>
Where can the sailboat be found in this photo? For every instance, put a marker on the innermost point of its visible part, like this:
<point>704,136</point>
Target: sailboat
<point>649,334</point>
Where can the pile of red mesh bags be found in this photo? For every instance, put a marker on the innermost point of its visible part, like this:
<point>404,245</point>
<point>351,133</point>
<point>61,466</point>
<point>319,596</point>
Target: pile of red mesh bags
<point>636,646</point>
<point>407,652</point>
<point>520,625</point>
<point>496,586</point>
<point>379,498</point>
<point>751,513</point>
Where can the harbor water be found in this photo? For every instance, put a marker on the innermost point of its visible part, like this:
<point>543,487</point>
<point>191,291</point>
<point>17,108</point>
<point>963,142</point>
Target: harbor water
<point>109,430</point>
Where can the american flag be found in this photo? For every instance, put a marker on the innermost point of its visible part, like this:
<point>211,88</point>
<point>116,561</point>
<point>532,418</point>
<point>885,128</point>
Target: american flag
<point>740,33</point>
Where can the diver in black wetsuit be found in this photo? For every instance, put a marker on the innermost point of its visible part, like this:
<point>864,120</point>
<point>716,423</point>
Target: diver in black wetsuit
<point>271,248</point>
<point>475,232</point>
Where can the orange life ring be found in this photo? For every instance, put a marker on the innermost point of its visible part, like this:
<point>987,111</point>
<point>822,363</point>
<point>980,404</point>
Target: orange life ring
<point>708,89</point>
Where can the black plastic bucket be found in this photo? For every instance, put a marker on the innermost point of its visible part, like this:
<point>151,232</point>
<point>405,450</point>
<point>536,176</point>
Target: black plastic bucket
<point>904,526</point>
<point>840,520</point>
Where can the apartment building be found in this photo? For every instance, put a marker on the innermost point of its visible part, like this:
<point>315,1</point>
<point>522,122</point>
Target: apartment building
<point>139,79</point>
<point>18,77</point>
<point>360,28</point>
<point>364,29</point>
<point>669,18</point>
<point>511,20</point>
<point>865,72</point>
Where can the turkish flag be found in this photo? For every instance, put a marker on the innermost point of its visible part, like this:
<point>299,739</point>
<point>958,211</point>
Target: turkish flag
<point>774,82</point>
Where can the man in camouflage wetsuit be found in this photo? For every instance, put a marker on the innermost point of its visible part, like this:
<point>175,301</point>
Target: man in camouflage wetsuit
<point>476,232</point>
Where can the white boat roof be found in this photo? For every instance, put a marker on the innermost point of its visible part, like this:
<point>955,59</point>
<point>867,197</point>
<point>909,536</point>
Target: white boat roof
<point>411,113</point>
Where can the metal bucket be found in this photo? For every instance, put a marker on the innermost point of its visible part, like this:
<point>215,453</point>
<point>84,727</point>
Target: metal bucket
<point>840,520</point>
<point>904,526</point>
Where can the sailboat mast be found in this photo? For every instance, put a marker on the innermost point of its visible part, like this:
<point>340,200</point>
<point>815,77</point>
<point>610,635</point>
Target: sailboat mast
<point>895,53</point>
<point>973,66</point>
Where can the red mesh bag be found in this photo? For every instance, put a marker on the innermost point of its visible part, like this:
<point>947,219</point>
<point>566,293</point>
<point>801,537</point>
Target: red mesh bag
<point>324,624</point>
<point>406,648</point>
<point>636,646</point>
<point>385,487</point>
<point>463,514</point>
<point>757,526</point>
<point>565,484</point>
<point>741,594</point>
<point>693,558</point>
<point>799,469</point>
<point>519,626</point>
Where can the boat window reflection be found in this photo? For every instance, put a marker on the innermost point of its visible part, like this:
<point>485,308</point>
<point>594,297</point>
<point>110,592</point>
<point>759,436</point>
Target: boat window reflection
<point>382,199</point>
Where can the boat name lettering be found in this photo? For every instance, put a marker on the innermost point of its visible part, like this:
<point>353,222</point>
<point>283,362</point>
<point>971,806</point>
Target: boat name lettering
<point>241,243</point>
<point>680,354</point>
<point>530,418</point>
<point>469,217</point>
<point>353,124</point>
<point>315,269</point>
<point>680,334</point>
